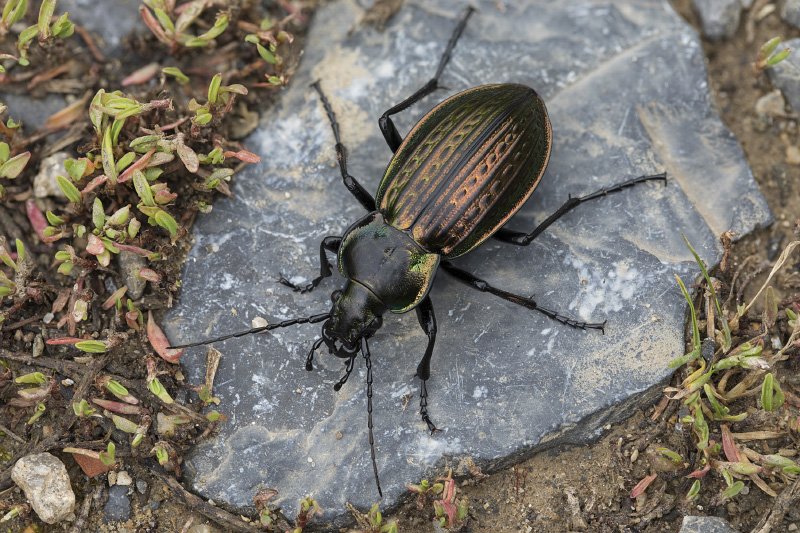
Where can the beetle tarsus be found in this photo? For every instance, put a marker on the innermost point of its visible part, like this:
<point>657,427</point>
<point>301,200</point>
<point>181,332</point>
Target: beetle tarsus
<point>423,407</point>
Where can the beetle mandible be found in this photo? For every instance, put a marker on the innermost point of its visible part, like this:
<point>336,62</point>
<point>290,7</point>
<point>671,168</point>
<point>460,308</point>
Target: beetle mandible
<point>461,172</point>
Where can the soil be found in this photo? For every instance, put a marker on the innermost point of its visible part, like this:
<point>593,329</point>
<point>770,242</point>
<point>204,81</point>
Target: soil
<point>587,488</point>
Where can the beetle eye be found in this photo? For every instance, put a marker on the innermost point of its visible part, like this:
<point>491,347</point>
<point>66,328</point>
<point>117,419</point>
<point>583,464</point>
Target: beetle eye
<point>376,324</point>
<point>335,295</point>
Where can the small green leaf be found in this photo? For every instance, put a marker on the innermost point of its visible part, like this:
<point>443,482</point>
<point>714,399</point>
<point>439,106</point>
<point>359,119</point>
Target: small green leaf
<point>55,220</point>
<point>107,152</point>
<point>12,168</point>
<point>34,378</point>
<point>91,346</point>
<point>5,152</point>
<point>174,71</point>
<point>45,14</point>
<point>98,216</point>
<point>20,251</point>
<point>768,47</point>
<point>143,188</point>
<point>165,21</point>
<point>203,119</point>
<point>166,221</point>
<point>213,88</point>
<point>780,56</point>
<point>266,55</point>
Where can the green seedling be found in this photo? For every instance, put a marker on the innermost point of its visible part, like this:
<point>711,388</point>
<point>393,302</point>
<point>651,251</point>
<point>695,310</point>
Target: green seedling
<point>767,57</point>
<point>772,397</point>
<point>107,457</point>
<point>82,409</point>
<point>726,341</point>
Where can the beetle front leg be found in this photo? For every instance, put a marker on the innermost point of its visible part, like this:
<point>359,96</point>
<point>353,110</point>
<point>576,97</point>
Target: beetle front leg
<point>355,188</point>
<point>524,239</point>
<point>476,283</point>
<point>390,133</point>
<point>427,320</point>
<point>329,243</point>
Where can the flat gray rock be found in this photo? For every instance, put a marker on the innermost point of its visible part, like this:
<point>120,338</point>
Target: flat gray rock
<point>626,90</point>
<point>719,19</point>
<point>706,524</point>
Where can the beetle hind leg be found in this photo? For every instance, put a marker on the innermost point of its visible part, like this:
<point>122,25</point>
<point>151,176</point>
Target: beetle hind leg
<point>524,239</point>
<point>330,244</point>
<point>390,133</point>
<point>427,320</point>
<point>476,283</point>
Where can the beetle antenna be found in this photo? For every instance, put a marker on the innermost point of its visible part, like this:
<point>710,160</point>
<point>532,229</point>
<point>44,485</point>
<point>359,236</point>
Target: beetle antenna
<point>305,320</point>
<point>310,357</point>
<point>365,351</point>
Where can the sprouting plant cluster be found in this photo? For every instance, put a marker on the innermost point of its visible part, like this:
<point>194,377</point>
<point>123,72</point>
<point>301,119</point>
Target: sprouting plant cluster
<point>115,216</point>
<point>734,357</point>
<point>176,28</point>
<point>45,31</point>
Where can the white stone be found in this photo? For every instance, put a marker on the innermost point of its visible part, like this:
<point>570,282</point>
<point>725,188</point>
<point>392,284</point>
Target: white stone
<point>124,478</point>
<point>45,184</point>
<point>46,484</point>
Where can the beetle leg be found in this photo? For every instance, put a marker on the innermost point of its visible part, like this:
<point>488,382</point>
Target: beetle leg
<point>348,370</point>
<point>427,320</point>
<point>329,243</point>
<point>390,133</point>
<point>524,239</point>
<point>310,358</point>
<point>476,283</point>
<point>355,188</point>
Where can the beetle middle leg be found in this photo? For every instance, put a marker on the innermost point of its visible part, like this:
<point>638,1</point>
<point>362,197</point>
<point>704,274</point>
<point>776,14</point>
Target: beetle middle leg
<point>476,283</point>
<point>355,188</point>
<point>427,320</point>
<point>524,239</point>
<point>390,133</point>
<point>330,243</point>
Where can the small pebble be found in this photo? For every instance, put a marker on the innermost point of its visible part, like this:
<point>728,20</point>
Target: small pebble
<point>124,478</point>
<point>38,346</point>
<point>792,155</point>
<point>48,317</point>
<point>141,486</point>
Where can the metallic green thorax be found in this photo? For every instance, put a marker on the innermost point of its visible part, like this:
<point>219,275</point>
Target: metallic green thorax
<point>387,262</point>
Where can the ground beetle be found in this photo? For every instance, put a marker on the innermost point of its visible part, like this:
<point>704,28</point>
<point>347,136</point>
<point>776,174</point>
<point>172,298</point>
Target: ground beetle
<point>463,170</point>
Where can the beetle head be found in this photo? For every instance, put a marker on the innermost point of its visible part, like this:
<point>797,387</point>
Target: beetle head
<point>355,315</point>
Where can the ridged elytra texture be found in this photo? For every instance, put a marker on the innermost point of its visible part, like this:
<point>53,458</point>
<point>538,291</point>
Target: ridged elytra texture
<point>466,167</point>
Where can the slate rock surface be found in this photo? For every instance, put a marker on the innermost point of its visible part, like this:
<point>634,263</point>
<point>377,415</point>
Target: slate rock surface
<point>626,91</point>
<point>719,19</point>
<point>706,524</point>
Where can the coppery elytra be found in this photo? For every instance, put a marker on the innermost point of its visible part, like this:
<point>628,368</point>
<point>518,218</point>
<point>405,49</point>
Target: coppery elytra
<point>463,170</point>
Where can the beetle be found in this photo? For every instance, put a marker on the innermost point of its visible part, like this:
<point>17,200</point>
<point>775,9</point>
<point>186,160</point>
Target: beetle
<point>455,179</point>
